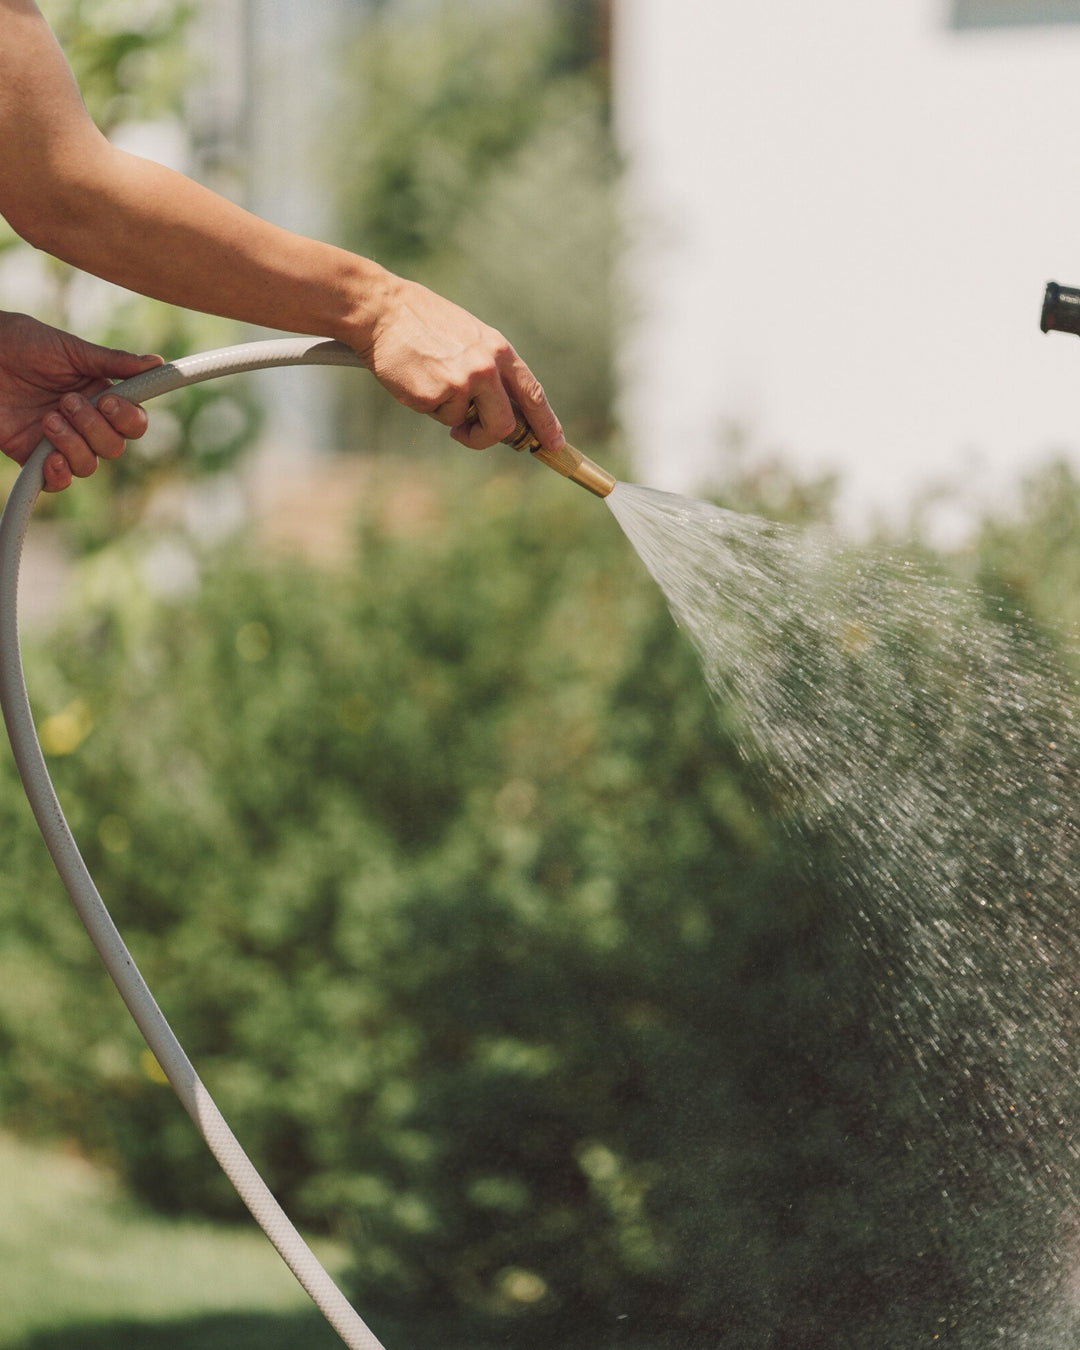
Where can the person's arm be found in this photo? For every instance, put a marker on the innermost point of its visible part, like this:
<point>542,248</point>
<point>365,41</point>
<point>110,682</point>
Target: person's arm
<point>67,191</point>
<point>47,379</point>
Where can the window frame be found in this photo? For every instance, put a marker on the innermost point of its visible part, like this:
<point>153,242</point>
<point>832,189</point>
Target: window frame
<point>967,14</point>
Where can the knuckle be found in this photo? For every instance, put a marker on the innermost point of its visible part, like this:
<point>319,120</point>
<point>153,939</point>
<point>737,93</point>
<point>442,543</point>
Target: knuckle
<point>483,371</point>
<point>115,433</point>
<point>129,429</point>
<point>57,473</point>
<point>57,429</point>
<point>506,425</point>
<point>126,419</point>
<point>104,440</point>
<point>77,410</point>
<point>428,402</point>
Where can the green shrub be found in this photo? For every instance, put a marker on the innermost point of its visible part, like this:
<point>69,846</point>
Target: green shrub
<point>488,939</point>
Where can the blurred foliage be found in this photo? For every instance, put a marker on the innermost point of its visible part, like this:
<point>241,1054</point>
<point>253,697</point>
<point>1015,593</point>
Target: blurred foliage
<point>445,865</point>
<point>482,165</point>
<point>449,883</point>
<point>129,56</point>
<point>489,939</point>
<point>133,65</point>
<point>1031,555</point>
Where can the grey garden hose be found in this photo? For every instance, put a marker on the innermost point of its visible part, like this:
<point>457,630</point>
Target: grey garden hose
<point>73,871</point>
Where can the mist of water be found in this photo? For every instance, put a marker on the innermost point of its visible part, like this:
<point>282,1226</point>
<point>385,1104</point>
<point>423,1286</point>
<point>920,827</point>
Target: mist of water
<point>929,737</point>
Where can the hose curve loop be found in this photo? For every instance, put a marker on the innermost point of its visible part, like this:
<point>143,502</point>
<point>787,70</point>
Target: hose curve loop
<point>80,886</point>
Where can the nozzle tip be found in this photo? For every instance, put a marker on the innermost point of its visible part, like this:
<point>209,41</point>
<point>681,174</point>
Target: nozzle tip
<point>579,468</point>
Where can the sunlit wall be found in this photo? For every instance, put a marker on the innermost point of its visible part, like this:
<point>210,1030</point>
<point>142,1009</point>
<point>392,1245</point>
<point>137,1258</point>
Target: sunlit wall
<point>844,215</point>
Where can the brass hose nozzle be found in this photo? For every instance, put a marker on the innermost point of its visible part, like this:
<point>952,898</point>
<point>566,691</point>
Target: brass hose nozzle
<point>569,461</point>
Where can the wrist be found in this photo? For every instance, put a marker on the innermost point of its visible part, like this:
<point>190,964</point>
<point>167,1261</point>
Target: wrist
<point>371,293</point>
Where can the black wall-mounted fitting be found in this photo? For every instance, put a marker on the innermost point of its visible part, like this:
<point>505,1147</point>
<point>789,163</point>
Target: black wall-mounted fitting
<point>1061,308</point>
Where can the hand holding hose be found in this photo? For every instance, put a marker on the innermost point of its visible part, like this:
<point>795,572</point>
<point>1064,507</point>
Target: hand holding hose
<point>19,719</point>
<point>439,359</point>
<point>47,379</point>
<point>68,191</point>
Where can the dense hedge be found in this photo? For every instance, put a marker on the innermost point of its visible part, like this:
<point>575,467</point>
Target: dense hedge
<point>490,942</point>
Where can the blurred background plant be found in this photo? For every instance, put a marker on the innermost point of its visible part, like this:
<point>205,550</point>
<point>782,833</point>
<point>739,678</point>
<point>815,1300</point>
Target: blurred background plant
<point>461,893</point>
<point>455,881</point>
<point>483,165</point>
<point>134,68</point>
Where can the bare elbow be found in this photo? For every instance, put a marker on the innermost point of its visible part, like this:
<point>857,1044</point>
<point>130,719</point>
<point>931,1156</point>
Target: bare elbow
<point>49,208</point>
<point>46,231</point>
<point>34,216</point>
<point>52,221</point>
<point>17,210</point>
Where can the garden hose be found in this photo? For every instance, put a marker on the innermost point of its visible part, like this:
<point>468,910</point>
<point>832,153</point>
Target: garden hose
<point>73,871</point>
<point>569,461</point>
<point>65,853</point>
<point>61,843</point>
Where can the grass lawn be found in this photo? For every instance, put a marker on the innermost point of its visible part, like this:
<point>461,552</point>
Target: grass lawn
<point>81,1266</point>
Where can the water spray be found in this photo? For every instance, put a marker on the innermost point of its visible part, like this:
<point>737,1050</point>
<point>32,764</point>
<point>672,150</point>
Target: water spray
<point>890,713</point>
<point>251,1188</point>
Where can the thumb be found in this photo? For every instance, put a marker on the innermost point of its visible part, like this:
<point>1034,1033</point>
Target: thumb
<point>108,362</point>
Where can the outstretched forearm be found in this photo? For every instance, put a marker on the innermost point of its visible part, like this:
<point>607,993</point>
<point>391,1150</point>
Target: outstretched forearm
<point>154,231</point>
<point>68,191</point>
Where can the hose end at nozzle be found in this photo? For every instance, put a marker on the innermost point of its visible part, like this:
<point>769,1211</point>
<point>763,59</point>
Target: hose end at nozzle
<point>1061,309</point>
<point>569,461</point>
<point>579,468</point>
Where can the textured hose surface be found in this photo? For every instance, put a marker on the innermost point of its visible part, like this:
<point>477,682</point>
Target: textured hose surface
<point>73,871</point>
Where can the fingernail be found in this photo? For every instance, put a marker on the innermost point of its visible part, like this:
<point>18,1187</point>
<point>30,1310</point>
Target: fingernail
<point>71,403</point>
<point>55,423</point>
<point>109,406</point>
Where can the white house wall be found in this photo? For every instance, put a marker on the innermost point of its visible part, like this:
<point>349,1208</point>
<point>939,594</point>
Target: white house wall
<point>845,216</point>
